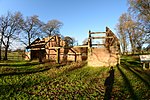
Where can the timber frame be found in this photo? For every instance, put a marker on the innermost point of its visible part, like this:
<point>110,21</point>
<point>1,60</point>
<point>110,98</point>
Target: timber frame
<point>97,54</point>
<point>110,47</point>
<point>55,47</point>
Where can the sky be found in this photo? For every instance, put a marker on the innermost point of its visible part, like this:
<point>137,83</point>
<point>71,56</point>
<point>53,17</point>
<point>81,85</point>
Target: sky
<point>78,16</point>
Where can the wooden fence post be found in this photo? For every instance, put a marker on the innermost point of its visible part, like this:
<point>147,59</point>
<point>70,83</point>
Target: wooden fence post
<point>58,55</point>
<point>75,57</point>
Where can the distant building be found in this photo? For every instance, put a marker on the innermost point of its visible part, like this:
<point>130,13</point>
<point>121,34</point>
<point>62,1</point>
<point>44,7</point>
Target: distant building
<point>54,49</point>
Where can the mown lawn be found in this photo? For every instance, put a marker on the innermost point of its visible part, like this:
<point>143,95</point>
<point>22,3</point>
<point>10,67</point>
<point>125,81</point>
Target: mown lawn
<point>32,80</point>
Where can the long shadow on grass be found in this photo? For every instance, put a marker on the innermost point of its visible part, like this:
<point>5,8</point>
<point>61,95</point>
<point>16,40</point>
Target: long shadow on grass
<point>22,86</point>
<point>141,71</point>
<point>7,91</point>
<point>136,66</point>
<point>20,65</point>
<point>25,72</point>
<point>127,84</point>
<point>137,74</point>
<point>109,84</point>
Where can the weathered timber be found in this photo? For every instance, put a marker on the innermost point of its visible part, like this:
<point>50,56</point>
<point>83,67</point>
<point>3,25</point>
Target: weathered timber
<point>81,46</point>
<point>97,32</point>
<point>100,37</point>
<point>51,48</point>
<point>98,44</point>
<point>108,54</point>
<point>75,54</point>
<point>58,55</point>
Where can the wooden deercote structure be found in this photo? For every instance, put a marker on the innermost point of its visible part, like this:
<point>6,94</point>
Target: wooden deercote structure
<point>105,53</point>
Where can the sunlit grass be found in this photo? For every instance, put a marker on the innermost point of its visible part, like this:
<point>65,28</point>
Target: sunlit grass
<point>32,80</point>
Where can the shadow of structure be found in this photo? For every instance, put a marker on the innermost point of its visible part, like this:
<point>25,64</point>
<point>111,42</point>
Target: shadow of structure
<point>137,70</point>
<point>109,84</point>
<point>35,70</point>
<point>25,72</point>
<point>127,84</point>
<point>17,65</point>
<point>138,74</point>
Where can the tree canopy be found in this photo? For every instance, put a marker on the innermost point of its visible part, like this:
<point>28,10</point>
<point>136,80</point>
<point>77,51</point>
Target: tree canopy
<point>134,27</point>
<point>13,26</point>
<point>52,27</point>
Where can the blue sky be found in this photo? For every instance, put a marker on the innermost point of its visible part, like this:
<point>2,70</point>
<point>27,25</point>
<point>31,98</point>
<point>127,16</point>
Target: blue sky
<point>78,16</point>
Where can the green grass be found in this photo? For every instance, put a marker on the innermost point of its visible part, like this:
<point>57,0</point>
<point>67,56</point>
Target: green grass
<point>17,56</point>
<point>32,80</point>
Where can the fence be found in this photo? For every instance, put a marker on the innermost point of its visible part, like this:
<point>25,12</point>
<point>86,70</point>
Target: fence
<point>14,56</point>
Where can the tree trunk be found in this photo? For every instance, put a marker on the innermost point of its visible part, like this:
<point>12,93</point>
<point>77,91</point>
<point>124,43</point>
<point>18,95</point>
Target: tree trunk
<point>0,52</point>
<point>6,51</point>
<point>29,39</point>
<point>132,44</point>
<point>29,43</point>
<point>124,46</point>
<point>1,47</point>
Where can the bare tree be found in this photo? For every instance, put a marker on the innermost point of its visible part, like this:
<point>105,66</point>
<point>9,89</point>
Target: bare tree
<point>130,28</point>
<point>85,41</point>
<point>4,20</point>
<point>122,33</point>
<point>31,29</point>
<point>69,41</point>
<point>140,9</point>
<point>10,28</point>
<point>132,31</point>
<point>52,27</point>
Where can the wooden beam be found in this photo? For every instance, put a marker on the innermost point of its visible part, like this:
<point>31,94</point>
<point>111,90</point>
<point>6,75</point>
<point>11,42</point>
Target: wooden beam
<point>81,46</point>
<point>112,41</point>
<point>97,44</point>
<point>38,44</point>
<point>104,37</point>
<point>97,32</point>
<point>71,53</point>
<point>75,59</point>
<point>58,55</point>
<point>109,32</point>
<point>89,40</point>
<point>53,47</point>
<point>37,48</point>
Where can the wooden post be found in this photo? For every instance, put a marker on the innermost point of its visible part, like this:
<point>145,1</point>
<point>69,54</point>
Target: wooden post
<point>58,55</point>
<point>89,40</point>
<point>75,59</point>
<point>40,56</point>
<point>58,41</point>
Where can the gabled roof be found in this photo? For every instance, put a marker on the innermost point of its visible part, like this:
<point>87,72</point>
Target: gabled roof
<point>37,43</point>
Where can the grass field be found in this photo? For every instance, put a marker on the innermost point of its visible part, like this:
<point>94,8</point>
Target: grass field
<point>14,56</point>
<point>32,80</point>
